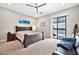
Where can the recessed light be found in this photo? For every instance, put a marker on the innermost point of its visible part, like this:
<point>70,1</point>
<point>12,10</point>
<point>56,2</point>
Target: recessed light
<point>9,4</point>
<point>62,3</point>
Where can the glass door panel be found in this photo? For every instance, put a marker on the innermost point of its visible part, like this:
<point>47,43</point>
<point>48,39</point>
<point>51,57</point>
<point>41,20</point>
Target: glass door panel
<point>61,27</point>
<point>54,28</point>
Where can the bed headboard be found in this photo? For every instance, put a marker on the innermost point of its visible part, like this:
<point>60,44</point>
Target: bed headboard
<point>18,28</point>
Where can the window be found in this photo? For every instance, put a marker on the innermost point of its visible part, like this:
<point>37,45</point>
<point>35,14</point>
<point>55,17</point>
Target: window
<point>59,27</point>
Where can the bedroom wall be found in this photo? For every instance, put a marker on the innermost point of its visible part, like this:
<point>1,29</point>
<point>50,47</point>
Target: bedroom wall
<point>72,19</point>
<point>46,27</point>
<point>9,19</point>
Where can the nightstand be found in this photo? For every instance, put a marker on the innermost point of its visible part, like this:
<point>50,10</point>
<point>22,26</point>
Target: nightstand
<point>11,37</point>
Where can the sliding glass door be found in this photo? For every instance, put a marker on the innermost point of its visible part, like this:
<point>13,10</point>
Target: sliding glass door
<point>54,23</point>
<point>59,27</point>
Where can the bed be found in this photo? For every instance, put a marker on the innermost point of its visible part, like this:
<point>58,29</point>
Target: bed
<point>21,39</point>
<point>23,33</point>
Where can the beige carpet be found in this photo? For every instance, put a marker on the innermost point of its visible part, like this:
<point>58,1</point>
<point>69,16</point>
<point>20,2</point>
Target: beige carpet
<point>2,41</point>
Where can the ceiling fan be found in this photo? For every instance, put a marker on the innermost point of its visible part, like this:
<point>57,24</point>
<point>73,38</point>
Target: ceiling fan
<point>36,6</point>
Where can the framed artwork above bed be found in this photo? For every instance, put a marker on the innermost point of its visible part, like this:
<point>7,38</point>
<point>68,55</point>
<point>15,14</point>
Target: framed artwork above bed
<point>24,25</point>
<point>22,21</point>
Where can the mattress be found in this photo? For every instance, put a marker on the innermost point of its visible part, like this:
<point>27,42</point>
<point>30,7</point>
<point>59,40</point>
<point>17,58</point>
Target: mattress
<point>20,34</point>
<point>10,46</point>
<point>43,47</point>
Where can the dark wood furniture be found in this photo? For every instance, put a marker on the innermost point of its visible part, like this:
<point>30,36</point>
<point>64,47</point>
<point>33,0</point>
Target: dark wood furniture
<point>18,28</point>
<point>11,37</point>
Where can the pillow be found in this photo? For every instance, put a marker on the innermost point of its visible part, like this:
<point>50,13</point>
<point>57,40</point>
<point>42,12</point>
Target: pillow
<point>67,43</point>
<point>30,39</point>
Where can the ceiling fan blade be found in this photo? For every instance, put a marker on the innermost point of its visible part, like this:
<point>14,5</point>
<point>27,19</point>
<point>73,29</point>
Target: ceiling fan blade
<point>29,5</point>
<point>36,9</point>
<point>42,5</point>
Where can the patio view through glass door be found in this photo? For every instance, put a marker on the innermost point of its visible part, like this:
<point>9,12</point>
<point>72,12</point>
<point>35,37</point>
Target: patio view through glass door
<point>59,27</point>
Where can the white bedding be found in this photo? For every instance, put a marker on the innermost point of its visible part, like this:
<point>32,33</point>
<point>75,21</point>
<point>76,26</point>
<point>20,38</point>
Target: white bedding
<point>43,47</point>
<point>20,34</point>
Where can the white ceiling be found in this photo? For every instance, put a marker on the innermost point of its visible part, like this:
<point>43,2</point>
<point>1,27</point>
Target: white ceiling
<point>44,10</point>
